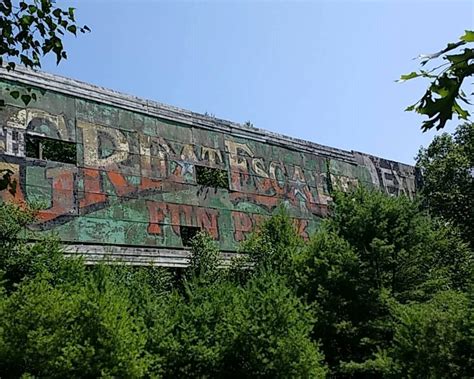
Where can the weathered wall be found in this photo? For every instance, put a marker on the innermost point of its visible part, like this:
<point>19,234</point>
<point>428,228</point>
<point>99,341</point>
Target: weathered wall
<point>134,182</point>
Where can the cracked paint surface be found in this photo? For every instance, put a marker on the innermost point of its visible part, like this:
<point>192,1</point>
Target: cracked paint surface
<point>134,181</point>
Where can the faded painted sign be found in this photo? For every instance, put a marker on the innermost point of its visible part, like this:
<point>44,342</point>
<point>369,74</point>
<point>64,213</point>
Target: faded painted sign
<point>132,181</point>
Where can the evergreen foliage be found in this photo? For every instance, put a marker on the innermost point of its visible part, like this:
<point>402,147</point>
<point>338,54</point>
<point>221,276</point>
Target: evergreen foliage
<point>374,251</point>
<point>382,290</point>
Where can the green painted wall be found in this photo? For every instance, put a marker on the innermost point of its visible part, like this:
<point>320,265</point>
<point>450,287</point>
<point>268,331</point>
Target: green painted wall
<point>134,181</point>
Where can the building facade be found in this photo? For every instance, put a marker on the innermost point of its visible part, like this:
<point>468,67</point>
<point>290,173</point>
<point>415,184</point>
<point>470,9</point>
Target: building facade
<point>134,179</point>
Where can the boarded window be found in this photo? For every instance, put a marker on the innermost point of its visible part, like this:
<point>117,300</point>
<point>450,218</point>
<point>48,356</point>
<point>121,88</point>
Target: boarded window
<point>188,233</point>
<point>212,177</point>
<point>50,149</point>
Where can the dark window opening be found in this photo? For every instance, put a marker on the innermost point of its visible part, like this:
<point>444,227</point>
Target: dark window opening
<point>212,177</point>
<point>50,149</point>
<point>188,233</point>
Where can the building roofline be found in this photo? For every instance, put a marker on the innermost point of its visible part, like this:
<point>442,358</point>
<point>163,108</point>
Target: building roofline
<point>76,88</point>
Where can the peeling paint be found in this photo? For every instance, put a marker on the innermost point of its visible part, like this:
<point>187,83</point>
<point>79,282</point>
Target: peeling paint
<point>134,182</point>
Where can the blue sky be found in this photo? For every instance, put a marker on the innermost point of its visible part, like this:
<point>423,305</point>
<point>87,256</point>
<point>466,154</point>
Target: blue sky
<point>323,71</point>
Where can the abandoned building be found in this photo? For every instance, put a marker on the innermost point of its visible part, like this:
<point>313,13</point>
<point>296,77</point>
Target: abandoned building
<point>134,179</point>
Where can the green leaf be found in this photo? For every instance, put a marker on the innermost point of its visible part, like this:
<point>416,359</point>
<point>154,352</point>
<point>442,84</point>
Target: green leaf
<point>462,113</point>
<point>15,94</point>
<point>72,29</point>
<point>71,13</point>
<point>409,76</point>
<point>464,57</point>
<point>27,19</point>
<point>468,36</point>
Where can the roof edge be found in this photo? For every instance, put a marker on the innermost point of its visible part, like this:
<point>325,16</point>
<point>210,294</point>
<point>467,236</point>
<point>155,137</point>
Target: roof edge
<point>76,88</point>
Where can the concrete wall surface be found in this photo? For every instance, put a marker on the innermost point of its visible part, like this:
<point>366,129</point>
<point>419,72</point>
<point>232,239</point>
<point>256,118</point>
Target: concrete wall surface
<point>132,186</point>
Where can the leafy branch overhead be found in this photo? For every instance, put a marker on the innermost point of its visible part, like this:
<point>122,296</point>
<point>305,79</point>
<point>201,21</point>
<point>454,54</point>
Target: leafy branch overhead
<point>32,30</point>
<point>444,96</point>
